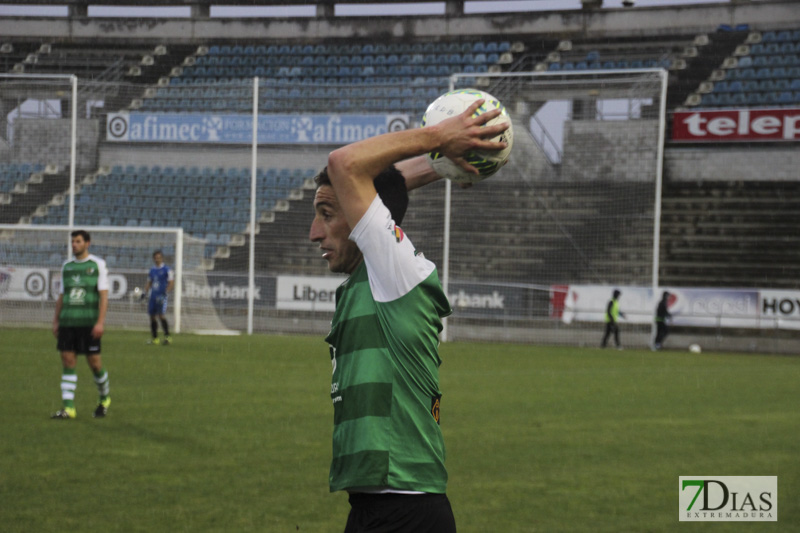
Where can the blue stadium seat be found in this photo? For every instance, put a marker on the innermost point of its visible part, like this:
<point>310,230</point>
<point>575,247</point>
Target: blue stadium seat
<point>750,86</point>
<point>763,74</point>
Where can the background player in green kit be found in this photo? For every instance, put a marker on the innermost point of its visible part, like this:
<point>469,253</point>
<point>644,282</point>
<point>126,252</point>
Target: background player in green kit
<point>388,451</point>
<point>79,323</point>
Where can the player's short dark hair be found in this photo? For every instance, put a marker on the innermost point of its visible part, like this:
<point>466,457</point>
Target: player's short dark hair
<point>390,185</point>
<point>158,252</point>
<point>82,233</point>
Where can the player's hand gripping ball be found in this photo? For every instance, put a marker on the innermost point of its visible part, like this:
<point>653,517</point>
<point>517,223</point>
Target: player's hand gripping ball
<point>487,162</point>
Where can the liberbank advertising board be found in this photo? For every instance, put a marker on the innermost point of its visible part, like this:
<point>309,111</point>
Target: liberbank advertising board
<point>309,293</point>
<point>134,127</point>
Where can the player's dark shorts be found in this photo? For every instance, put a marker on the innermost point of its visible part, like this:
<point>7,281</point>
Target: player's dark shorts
<point>78,340</point>
<point>400,513</point>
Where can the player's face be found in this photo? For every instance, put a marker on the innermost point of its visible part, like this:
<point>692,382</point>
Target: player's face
<point>158,259</point>
<point>331,231</point>
<point>80,248</point>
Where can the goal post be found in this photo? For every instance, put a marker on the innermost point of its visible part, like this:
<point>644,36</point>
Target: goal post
<point>30,274</point>
<point>534,253</point>
<point>530,255</point>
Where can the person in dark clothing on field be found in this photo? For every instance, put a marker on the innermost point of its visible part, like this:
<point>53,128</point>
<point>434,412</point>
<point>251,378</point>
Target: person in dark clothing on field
<point>662,315</point>
<point>613,314</point>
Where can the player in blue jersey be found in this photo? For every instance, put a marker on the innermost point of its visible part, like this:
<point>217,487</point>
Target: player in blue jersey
<point>160,281</point>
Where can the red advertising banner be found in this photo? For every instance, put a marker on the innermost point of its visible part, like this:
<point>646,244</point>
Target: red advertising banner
<point>737,125</point>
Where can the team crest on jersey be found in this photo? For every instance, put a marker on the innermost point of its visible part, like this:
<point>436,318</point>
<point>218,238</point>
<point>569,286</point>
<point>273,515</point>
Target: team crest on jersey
<point>435,401</point>
<point>398,233</point>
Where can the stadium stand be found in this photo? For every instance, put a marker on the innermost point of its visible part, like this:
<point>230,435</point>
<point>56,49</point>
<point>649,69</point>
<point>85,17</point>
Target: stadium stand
<point>691,59</point>
<point>286,238</point>
<point>530,248</point>
<point>218,77</point>
<point>100,69</point>
<point>208,203</point>
<point>733,66</point>
<point>731,234</point>
<point>88,61</point>
<point>600,54</point>
<point>28,187</point>
<point>15,53</point>
<point>764,70</point>
<point>545,218</point>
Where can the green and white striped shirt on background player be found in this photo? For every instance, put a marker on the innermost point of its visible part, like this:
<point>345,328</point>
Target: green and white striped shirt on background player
<point>81,283</point>
<point>384,350</point>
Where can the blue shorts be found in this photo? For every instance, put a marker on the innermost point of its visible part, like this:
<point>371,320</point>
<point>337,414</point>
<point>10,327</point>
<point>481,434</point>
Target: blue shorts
<point>157,305</point>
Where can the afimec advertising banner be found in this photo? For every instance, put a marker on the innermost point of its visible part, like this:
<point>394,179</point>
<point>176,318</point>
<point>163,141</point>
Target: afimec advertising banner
<point>238,129</point>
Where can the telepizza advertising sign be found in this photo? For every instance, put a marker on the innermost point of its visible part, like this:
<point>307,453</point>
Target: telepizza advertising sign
<point>737,125</point>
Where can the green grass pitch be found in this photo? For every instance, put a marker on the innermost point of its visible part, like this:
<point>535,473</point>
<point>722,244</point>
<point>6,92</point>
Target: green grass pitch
<point>232,434</point>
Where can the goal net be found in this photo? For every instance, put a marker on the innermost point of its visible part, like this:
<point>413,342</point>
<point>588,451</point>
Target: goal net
<point>536,251</point>
<point>30,274</point>
<point>530,255</point>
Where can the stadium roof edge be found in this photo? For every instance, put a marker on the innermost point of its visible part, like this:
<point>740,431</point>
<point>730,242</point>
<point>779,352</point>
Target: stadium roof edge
<point>200,28</point>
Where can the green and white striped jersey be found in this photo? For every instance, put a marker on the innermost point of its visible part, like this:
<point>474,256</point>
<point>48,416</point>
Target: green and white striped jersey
<point>384,351</point>
<point>81,283</point>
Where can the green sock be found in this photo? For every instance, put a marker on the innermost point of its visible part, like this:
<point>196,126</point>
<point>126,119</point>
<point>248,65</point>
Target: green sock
<point>69,382</point>
<point>101,380</point>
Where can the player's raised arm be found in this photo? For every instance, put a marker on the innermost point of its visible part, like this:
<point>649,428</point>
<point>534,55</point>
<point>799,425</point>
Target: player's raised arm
<point>353,167</point>
<point>417,172</point>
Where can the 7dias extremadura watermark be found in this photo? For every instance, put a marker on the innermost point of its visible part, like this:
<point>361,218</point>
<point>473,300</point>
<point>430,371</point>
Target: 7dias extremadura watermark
<point>728,498</point>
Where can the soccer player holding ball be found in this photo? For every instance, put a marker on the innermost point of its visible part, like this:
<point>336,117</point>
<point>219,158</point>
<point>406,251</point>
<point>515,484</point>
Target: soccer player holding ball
<point>388,450</point>
<point>160,281</point>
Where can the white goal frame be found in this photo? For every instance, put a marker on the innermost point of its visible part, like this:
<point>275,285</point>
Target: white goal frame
<point>663,76</point>
<point>177,266</point>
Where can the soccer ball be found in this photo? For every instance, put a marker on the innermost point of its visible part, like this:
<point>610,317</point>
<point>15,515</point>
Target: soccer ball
<point>487,162</point>
<point>695,348</point>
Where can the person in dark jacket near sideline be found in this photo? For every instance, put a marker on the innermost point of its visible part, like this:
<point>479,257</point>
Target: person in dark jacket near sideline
<point>662,316</point>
